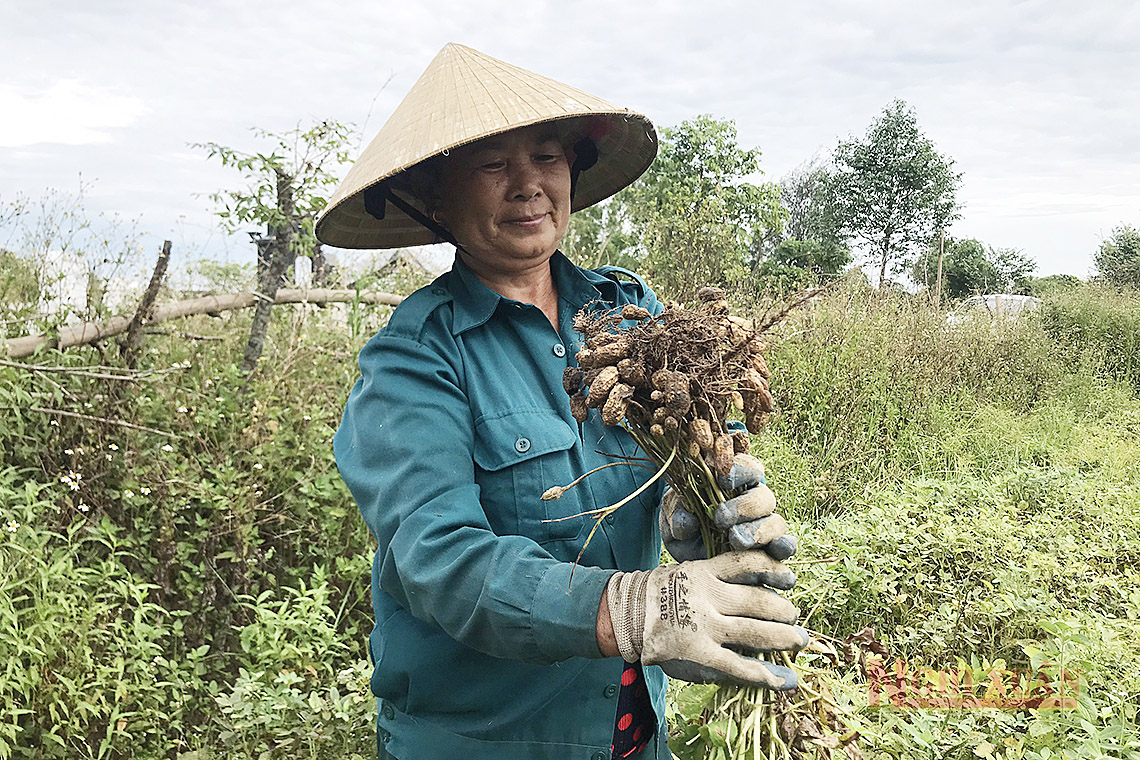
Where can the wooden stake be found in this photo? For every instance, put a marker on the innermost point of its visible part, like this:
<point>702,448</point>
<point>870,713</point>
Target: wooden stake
<point>132,346</point>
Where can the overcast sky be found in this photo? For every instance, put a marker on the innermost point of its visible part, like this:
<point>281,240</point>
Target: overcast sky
<point>1036,101</point>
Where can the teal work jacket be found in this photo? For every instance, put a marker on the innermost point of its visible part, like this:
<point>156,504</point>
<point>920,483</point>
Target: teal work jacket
<point>483,645</point>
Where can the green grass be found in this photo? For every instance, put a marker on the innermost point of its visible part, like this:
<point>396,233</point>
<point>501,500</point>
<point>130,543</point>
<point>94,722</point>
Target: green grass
<point>977,486</point>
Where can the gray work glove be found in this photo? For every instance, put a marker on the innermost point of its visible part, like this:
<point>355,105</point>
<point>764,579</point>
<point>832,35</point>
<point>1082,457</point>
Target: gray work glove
<point>685,618</point>
<point>749,518</point>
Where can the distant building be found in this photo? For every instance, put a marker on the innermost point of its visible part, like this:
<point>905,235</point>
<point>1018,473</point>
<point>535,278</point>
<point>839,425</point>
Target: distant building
<point>993,305</point>
<point>65,280</point>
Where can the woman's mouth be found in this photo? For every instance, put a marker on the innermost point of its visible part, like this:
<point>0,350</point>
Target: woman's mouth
<point>528,222</point>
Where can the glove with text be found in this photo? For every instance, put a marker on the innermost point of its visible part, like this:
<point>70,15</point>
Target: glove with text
<point>695,619</point>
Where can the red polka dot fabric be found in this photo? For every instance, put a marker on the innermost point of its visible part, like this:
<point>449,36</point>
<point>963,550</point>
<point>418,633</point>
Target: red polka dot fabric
<point>635,723</point>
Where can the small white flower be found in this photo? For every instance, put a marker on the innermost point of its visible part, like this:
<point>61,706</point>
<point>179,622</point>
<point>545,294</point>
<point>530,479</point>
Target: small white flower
<point>54,423</point>
<point>209,382</point>
<point>257,466</point>
<point>145,491</point>
<point>69,452</point>
<point>306,418</point>
<point>113,446</point>
<point>108,457</point>
<point>219,398</point>
<point>12,526</point>
<point>167,447</point>
<point>71,480</point>
<point>182,410</point>
<point>83,507</point>
<point>128,494</point>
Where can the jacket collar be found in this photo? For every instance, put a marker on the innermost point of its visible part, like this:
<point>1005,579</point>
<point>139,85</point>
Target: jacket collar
<point>474,302</point>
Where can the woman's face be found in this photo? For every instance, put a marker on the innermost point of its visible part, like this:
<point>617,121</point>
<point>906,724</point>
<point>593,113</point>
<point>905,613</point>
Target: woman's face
<point>506,199</point>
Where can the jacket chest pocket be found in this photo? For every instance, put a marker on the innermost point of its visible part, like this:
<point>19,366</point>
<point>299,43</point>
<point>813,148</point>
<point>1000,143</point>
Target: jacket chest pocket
<point>520,454</point>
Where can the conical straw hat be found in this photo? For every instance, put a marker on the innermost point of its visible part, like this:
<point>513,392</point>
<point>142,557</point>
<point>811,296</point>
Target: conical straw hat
<point>464,96</point>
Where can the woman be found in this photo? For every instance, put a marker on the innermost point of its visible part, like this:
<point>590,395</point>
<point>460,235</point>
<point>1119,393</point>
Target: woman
<point>490,641</point>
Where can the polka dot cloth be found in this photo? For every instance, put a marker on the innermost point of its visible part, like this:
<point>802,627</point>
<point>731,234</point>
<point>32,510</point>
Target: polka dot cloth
<point>636,723</point>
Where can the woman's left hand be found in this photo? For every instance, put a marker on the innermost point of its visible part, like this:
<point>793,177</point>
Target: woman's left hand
<point>748,518</point>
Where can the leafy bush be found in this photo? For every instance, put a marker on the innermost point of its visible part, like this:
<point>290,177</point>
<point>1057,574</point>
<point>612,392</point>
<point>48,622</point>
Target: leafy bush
<point>197,586</point>
<point>221,525</point>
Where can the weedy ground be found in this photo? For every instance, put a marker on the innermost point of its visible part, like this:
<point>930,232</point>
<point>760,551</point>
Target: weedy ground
<point>974,490</point>
<point>977,492</point>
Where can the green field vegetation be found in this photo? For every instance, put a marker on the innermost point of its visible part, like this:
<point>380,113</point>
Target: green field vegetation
<point>196,586</point>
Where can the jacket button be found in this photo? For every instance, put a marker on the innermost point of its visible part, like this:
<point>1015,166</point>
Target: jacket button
<point>611,690</point>
<point>388,712</point>
<point>559,350</point>
<point>438,291</point>
<point>610,519</point>
<point>522,445</point>
<point>600,755</point>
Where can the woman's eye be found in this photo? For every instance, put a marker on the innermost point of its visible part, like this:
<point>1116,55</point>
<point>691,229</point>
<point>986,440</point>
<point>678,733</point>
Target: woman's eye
<point>545,158</point>
<point>492,166</point>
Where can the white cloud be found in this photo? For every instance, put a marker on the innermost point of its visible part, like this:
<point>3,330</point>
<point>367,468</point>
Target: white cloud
<point>1034,99</point>
<point>68,112</point>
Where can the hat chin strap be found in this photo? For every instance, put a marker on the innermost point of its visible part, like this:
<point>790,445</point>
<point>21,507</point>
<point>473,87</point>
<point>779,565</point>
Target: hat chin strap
<point>376,197</point>
<point>585,156</point>
<point>374,202</point>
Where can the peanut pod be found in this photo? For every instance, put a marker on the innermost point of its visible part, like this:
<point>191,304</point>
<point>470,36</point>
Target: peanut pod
<point>613,411</point>
<point>601,386</point>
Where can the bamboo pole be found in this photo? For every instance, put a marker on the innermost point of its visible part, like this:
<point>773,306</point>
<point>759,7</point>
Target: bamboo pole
<point>88,332</point>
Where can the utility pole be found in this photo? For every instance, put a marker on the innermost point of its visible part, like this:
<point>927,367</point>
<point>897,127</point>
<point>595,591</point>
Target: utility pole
<point>941,236</point>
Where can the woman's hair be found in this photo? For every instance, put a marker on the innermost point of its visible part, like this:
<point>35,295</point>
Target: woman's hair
<point>421,182</point>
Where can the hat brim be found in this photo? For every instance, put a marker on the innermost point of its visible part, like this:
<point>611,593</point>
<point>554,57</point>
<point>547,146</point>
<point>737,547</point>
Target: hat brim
<point>626,142</point>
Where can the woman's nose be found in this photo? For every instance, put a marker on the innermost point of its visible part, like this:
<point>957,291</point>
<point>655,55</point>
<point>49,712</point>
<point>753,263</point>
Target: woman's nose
<point>526,182</point>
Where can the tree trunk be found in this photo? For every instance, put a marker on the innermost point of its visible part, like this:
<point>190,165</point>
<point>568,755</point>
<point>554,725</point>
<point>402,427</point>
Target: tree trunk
<point>279,261</point>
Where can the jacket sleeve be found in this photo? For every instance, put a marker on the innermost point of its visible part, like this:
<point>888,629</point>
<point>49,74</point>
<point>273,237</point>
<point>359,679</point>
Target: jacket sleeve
<point>405,449</point>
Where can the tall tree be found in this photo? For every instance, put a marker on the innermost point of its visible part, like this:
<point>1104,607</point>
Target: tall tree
<point>970,267</point>
<point>894,190</point>
<point>808,195</point>
<point>693,217</point>
<point>286,191</point>
<point>1118,259</point>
